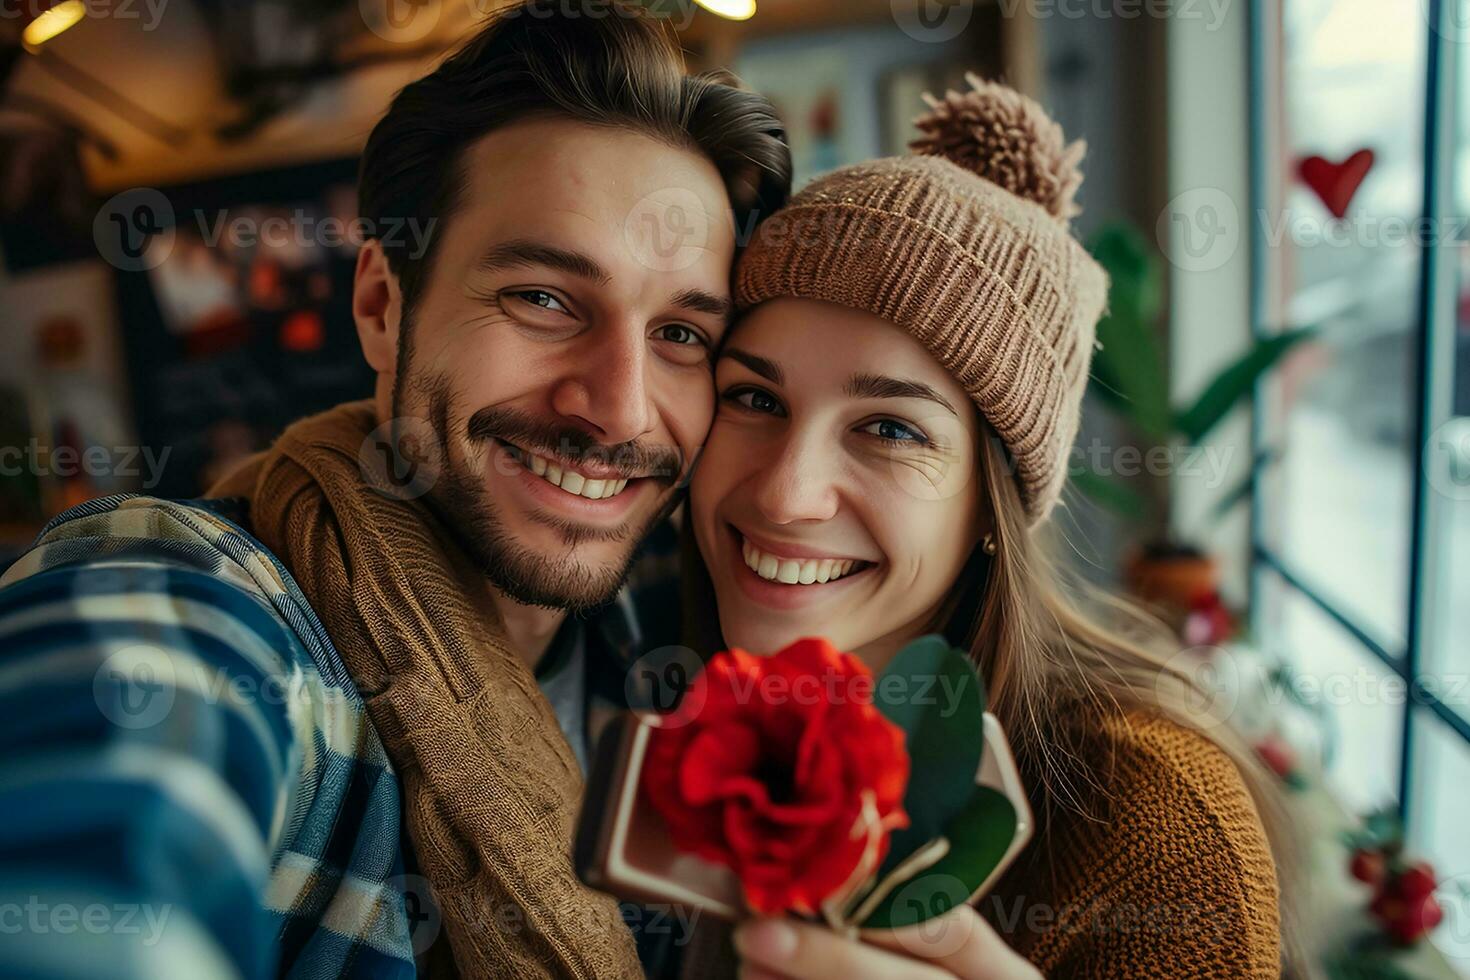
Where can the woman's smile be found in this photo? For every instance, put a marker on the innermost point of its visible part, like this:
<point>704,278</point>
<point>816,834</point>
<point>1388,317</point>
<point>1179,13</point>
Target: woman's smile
<point>788,576</point>
<point>794,564</point>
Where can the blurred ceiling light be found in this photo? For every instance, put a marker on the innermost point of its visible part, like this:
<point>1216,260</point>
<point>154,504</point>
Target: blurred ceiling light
<point>52,22</point>
<point>733,9</point>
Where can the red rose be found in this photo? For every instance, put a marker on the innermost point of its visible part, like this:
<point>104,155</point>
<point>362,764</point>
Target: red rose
<point>781,769</point>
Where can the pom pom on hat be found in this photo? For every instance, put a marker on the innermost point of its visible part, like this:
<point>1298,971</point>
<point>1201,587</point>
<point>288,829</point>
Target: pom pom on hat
<point>1006,138</point>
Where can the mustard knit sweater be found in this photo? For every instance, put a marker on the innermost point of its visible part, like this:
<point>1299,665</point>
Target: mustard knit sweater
<point>1169,873</point>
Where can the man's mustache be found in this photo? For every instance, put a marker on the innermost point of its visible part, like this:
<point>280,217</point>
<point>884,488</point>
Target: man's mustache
<point>631,460</point>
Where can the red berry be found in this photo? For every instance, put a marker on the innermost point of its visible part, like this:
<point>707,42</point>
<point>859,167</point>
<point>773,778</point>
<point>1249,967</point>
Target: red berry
<point>1367,866</point>
<point>1417,881</point>
<point>1406,921</point>
<point>1277,756</point>
<point>1431,913</point>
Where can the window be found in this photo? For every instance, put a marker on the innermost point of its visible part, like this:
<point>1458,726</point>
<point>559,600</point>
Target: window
<point>1361,524</point>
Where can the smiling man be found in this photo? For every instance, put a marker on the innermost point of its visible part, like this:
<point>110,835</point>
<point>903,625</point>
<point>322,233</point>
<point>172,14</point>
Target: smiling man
<point>340,708</point>
<point>561,361</point>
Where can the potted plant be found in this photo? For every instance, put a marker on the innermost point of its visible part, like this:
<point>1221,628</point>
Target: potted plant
<point>1130,378</point>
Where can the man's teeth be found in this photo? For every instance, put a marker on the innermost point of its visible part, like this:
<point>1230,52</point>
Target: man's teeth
<point>793,571</point>
<point>573,482</point>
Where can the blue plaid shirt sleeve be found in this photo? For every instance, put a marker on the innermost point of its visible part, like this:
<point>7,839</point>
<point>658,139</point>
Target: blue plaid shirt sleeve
<point>188,778</point>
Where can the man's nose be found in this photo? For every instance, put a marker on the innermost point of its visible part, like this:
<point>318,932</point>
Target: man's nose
<point>606,387</point>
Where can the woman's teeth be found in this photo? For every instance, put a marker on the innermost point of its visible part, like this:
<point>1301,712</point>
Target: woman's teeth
<point>791,571</point>
<point>570,480</point>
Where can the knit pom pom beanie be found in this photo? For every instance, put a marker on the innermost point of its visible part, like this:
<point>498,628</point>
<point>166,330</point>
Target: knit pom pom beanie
<point>966,245</point>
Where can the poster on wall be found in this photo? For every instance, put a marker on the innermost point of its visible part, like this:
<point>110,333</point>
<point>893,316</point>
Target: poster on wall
<point>241,321</point>
<point>807,91</point>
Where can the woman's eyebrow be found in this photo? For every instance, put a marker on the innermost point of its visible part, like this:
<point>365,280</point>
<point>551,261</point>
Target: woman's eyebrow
<point>879,386</point>
<point>762,366</point>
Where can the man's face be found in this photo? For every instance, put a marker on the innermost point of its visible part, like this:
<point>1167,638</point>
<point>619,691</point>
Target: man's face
<point>561,350</point>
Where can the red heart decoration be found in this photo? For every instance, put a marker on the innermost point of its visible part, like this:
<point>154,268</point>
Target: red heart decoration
<point>1336,183</point>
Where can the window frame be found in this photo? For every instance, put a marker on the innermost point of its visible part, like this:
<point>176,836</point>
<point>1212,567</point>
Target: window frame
<point>1433,339</point>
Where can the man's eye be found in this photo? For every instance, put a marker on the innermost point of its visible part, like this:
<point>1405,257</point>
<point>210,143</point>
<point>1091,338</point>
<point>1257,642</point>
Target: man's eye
<point>541,298</point>
<point>891,430</point>
<point>679,333</point>
<point>756,400</point>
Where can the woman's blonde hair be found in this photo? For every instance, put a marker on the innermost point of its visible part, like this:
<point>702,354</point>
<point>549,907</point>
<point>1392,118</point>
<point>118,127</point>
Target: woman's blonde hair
<point>1051,644</point>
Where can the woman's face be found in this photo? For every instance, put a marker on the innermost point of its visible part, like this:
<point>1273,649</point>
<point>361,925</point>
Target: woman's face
<point>837,495</point>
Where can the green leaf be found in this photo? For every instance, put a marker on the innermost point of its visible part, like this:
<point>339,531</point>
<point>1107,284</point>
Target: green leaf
<point>931,691</point>
<point>1241,490</point>
<point>1116,497</point>
<point>1128,371</point>
<point>1234,383</point>
<point>1132,266</point>
<point>979,836</point>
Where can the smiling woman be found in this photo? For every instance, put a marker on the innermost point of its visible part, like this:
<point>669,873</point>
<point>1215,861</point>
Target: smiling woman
<point>839,463</point>
<point>896,407</point>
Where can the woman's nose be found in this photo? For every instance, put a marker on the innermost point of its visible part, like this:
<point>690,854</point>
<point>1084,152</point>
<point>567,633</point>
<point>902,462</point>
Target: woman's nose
<point>798,485</point>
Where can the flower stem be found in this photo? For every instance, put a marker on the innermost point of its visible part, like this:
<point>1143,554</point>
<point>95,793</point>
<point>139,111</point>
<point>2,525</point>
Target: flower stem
<point>921,860</point>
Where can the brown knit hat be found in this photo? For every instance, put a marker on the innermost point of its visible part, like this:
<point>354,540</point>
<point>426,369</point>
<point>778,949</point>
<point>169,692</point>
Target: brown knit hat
<point>966,245</point>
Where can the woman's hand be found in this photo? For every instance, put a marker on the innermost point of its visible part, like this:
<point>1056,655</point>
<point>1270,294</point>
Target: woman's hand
<point>956,944</point>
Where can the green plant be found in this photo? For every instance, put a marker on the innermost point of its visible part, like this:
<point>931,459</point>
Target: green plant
<point>1130,376</point>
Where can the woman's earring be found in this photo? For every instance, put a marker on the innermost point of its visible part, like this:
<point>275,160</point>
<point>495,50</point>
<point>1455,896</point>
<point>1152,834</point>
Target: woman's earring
<point>988,545</point>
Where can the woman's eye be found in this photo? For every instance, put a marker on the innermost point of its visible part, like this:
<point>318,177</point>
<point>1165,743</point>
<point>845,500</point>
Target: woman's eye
<point>541,298</point>
<point>890,430</point>
<point>679,333</point>
<point>756,400</point>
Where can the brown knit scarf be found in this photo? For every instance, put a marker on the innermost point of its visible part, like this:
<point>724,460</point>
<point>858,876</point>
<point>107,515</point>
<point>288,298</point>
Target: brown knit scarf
<point>490,786</point>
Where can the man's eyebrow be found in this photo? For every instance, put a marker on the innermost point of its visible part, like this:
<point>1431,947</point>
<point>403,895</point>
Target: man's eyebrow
<point>879,386</point>
<point>767,369</point>
<point>701,301</point>
<point>523,253</point>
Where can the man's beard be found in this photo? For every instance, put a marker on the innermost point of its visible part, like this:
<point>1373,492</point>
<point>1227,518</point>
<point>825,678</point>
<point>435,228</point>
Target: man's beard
<point>459,498</point>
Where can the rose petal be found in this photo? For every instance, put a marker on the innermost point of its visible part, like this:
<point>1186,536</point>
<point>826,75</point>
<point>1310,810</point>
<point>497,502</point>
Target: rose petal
<point>715,757</point>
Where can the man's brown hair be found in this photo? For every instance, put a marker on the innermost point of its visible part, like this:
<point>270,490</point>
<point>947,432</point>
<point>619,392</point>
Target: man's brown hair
<point>604,62</point>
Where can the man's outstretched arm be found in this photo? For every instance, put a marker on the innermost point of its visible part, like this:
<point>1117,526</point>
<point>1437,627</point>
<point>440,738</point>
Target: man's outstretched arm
<point>139,787</point>
<point>182,791</point>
